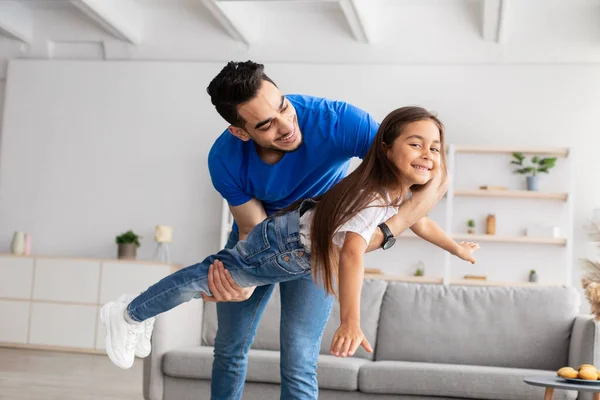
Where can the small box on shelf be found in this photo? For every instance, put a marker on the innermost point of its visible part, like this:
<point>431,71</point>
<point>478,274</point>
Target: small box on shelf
<point>542,231</point>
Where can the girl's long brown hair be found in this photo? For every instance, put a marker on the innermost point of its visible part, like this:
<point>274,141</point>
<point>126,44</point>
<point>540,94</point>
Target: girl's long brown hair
<point>375,176</point>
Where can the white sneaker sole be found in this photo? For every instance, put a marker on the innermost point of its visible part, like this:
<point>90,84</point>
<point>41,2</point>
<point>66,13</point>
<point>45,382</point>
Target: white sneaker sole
<point>105,317</point>
<point>140,354</point>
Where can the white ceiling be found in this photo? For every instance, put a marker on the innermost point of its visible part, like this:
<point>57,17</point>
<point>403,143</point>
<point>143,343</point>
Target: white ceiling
<point>330,31</point>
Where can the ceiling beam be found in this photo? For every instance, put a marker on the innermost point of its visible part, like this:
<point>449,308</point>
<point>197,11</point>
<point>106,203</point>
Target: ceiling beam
<point>494,20</point>
<point>355,16</point>
<point>16,21</point>
<point>121,18</point>
<point>226,16</point>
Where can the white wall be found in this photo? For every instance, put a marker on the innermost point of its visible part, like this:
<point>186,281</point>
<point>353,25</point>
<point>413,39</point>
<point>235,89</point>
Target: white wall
<point>90,149</point>
<point>2,91</point>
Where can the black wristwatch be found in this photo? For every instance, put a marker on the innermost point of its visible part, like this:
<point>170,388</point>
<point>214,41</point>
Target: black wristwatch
<point>388,236</point>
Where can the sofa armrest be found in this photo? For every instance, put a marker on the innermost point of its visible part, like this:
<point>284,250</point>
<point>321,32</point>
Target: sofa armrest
<point>585,341</point>
<point>178,327</point>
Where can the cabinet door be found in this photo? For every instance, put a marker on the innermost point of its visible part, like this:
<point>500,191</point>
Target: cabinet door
<point>66,280</point>
<point>15,277</point>
<point>119,278</point>
<point>15,318</point>
<point>63,325</point>
<point>100,332</point>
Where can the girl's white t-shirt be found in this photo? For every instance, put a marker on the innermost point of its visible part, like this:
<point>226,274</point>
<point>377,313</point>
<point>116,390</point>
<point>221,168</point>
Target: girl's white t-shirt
<point>363,223</point>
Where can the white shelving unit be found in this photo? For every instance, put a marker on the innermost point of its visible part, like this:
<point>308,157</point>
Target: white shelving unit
<point>567,241</point>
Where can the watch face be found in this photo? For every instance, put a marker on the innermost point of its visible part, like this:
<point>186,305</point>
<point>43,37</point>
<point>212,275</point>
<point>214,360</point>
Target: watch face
<point>389,243</point>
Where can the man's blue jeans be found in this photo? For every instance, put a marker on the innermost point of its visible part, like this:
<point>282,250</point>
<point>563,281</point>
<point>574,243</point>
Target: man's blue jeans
<point>271,253</point>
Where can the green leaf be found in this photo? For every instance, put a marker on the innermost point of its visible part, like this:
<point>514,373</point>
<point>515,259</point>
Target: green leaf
<point>128,237</point>
<point>548,162</point>
<point>525,170</point>
<point>519,156</point>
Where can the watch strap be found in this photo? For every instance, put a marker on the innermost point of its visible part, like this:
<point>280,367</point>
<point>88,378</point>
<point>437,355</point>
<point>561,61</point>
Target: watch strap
<point>386,231</point>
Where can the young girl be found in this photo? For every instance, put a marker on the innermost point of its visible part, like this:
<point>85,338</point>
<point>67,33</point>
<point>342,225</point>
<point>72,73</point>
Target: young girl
<point>326,236</point>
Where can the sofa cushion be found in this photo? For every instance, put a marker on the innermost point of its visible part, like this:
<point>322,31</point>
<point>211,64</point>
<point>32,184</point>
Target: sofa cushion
<point>339,373</point>
<point>520,327</point>
<point>263,366</point>
<point>267,334</point>
<point>465,381</point>
<point>370,308</point>
<point>195,389</point>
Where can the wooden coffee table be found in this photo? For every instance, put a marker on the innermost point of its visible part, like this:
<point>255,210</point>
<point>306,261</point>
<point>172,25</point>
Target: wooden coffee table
<point>554,382</point>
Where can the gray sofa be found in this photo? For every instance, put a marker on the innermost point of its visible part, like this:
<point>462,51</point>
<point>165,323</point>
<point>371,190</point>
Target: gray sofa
<point>431,342</point>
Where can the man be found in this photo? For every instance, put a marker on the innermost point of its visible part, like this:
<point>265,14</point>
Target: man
<point>279,149</point>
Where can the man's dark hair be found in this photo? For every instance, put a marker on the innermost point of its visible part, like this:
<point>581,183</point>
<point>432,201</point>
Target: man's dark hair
<point>237,83</point>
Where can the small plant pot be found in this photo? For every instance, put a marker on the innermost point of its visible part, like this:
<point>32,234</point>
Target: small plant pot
<point>471,231</point>
<point>532,183</point>
<point>533,277</point>
<point>127,251</point>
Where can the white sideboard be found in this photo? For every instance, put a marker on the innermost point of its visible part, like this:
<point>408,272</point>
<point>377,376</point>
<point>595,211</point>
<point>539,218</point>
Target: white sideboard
<point>54,302</point>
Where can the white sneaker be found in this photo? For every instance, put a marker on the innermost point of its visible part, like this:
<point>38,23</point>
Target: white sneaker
<point>143,346</point>
<point>121,336</point>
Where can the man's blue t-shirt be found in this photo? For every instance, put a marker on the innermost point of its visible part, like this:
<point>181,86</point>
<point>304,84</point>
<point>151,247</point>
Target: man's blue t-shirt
<point>333,133</point>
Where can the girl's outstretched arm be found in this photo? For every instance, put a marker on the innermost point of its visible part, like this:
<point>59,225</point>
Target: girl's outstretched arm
<point>413,209</point>
<point>351,272</point>
<point>430,231</point>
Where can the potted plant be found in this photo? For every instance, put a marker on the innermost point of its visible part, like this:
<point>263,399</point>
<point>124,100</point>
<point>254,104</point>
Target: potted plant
<point>128,243</point>
<point>533,276</point>
<point>537,165</point>
<point>471,226</point>
<point>419,272</point>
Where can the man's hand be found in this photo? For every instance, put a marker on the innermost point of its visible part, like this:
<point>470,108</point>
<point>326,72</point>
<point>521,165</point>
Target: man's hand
<point>223,287</point>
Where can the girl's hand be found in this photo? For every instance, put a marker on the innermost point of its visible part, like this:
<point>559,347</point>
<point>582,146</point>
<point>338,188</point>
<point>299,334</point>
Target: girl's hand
<point>466,250</point>
<point>346,340</point>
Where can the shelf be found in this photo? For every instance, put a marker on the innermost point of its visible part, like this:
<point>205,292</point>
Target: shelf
<point>483,282</point>
<point>551,152</point>
<point>495,239</point>
<point>455,282</point>
<point>515,194</point>
<point>406,278</point>
<point>509,239</point>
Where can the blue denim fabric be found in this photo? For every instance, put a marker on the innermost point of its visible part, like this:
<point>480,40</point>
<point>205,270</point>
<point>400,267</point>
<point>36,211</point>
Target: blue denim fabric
<point>271,253</point>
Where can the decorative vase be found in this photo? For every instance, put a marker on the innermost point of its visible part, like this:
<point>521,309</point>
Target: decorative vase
<point>490,226</point>
<point>127,251</point>
<point>532,182</point>
<point>18,243</point>
<point>533,277</point>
